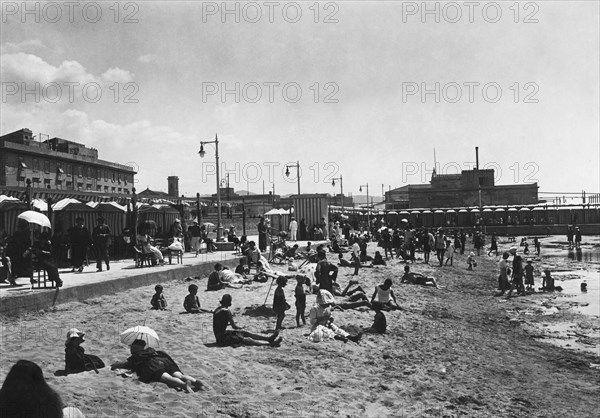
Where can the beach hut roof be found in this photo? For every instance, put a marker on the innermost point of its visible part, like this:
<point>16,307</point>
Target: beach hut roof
<point>427,211</point>
<point>61,204</point>
<point>487,210</point>
<point>538,208</point>
<point>391,212</point>
<point>107,206</point>
<point>463,211</point>
<point>512,210</point>
<point>475,210</point>
<point>524,210</point>
<point>439,211</point>
<point>4,197</point>
<point>450,211</point>
<point>273,212</point>
<point>499,210</point>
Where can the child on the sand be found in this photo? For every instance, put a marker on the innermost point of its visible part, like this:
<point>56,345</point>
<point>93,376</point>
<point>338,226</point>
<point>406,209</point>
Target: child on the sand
<point>158,299</point>
<point>529,281</point>
<point>76,360</point>
<point>191,303</point>
<point>378,259</point>
<point>279,303</point>
<point>471,261</point>
<point>548,282</point>
<point>300,294</point>
<point>215,280</point>
<point>157,366</point>
<point>449,252</point>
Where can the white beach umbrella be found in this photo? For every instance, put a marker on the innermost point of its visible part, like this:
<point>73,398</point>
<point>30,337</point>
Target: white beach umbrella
<point>34,217</point>
<point>140,332</point>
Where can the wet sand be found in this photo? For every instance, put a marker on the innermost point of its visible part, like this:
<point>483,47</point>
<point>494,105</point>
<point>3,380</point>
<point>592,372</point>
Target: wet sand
<point>456,351</point>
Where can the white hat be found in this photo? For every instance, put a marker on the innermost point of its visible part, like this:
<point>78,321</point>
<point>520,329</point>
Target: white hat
<point>74,332</point>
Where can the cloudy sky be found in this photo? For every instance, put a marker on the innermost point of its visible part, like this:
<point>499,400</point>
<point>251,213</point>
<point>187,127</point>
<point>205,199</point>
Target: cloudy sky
<point>361,89</point>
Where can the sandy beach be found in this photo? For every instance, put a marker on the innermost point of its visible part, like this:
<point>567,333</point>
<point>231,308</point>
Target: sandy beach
<point>451,352</point>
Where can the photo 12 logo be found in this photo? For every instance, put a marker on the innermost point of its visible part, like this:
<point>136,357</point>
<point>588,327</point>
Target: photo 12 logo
<point>270,91</point>
<point>68,91</point>
<point>269,11</point>
<point>521,172</point>
<point>469,91</point>
<point>271,172</point>
<point>469,12</point>
<point>69,11</point>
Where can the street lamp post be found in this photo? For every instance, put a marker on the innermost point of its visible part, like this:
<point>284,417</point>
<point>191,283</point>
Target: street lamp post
<point>368,209</point>
<point>202,153</point>
<point>287,173</point>
<point>341,188</point>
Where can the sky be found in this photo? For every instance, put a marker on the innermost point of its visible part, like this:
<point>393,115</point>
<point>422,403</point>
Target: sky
<point>365,90</point>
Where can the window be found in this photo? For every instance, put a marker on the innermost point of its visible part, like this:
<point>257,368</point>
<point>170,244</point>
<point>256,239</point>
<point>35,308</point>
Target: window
<point>126,191</point>
<point>88,187</point>
<point>114,176</point>
<point>98,174</point>
<point>119,190</point>
<point>98,188</point>
<point>58,182</point>
<point>47,181</point>
<point>105,189</point>
<point>46,166</point>
<point>70,185</point>
<point>112,189</point>
<point>105,175</point>
<point>36,165</point>
<point>80,171</point>
<point>89,173</point>
<point>69,169</point>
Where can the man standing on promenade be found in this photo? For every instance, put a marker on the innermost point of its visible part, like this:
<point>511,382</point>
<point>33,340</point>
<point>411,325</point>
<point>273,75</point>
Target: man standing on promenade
<point>196,234</point>
<point>293,229</point>
<point>101,238</point>
<point>262,235</point>
<point>79,238</point>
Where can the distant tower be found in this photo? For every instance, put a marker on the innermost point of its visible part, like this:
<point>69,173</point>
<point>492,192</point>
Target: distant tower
<point>173,182</point>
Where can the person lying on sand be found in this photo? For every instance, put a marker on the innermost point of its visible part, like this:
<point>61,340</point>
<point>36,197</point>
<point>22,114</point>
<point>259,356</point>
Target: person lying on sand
<point>157,366</point>
<point>223,317</point>
<point>357,296</point>
<point>417,278</point>
<point>191,303</point>
<point>216,279</point>
<point>383,298</point>
<point>321,321</point>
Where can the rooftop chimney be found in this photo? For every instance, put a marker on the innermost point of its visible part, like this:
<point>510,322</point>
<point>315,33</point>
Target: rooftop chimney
<point>476,158</point>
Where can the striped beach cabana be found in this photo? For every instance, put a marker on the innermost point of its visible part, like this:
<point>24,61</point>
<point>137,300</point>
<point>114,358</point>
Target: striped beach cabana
<point>10,208</point>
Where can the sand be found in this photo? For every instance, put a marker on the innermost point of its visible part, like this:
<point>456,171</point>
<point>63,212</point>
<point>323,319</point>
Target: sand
<point>456,351</point>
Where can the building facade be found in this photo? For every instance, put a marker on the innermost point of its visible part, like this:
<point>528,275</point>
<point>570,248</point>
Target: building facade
<point>469,188</point>
<point>64,167</point>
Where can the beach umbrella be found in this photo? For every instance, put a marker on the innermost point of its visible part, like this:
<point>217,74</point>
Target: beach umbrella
<point>140,332</point>
<point>404,220</point>
<point>34,217</point>
<point>208,224</point>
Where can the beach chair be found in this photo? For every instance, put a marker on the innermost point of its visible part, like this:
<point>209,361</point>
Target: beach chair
<point>42,281</point>
<point>141,257</point>
<point>178,254</point>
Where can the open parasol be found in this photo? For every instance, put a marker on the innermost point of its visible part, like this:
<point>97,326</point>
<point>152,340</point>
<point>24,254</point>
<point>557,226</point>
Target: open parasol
<point>34,217</point>
<point>140,332</point>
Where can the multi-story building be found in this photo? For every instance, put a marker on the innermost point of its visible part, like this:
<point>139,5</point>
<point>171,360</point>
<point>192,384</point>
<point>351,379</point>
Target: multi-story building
<point>60,167</point>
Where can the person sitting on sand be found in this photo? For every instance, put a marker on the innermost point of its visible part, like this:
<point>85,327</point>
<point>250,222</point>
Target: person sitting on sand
<point>383,298</point>
<point>76,360</point>
<point>417,278</point>
<point>548,282</point>
<point>191,303</point>
<point>158,300</point>
<point>252,254</point>
<point>321,321</point>
<point>378,259</point>
<point>215,281</point>
<point>25,393</point>
<point>242,268</point>
<point>157,366</point>
<point>222,317</point>
<point>291,252</point>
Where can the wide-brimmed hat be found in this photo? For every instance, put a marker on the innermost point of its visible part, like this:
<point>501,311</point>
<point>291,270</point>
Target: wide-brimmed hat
<point>74,333</point>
